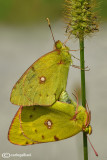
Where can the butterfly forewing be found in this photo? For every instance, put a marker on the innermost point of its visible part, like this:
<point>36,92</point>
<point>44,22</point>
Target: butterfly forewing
<point>43,82</point>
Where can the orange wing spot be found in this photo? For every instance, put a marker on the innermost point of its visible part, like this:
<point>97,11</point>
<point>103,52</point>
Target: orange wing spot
<point>43,137</point>
<point>33,143</point>
<point>61,62</point>
<point>48,124</point>
<point>36,131</point>
<point>33,69</point>
<point>56,138</point>
<point>27,142</point>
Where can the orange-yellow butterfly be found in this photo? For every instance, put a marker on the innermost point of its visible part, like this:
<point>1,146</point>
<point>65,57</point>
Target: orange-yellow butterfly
<point>44,81</point>
<point>37,124</point>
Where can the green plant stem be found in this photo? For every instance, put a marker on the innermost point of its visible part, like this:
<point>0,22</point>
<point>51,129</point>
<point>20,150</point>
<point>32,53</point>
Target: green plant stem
<point>81,41</point>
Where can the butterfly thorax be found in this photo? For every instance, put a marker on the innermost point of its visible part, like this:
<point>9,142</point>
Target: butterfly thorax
<point>64,51</point>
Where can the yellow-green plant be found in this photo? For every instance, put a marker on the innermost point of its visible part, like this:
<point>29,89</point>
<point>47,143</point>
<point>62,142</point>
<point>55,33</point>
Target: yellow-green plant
<point>81,20</point>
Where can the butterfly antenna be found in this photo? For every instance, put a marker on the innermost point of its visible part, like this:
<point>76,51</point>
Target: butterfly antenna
<point>67,39</point>
<point>92,147</point>
<point>50,29</point>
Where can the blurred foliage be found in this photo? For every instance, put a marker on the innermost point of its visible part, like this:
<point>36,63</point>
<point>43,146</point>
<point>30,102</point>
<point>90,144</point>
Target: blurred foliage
<point>103,9</point>
<point>29,12</point>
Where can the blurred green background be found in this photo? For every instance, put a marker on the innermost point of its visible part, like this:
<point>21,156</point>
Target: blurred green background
<point>29,12</point>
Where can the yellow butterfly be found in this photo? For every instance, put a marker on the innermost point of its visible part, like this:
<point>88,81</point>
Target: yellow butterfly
<point>44,81</point>
<point>37,124</point>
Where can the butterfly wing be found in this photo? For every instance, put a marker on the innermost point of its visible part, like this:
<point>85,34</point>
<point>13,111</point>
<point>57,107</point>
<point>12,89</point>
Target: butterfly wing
<point>39,124</point>
<point>15,134</point>
<point>43,82</point>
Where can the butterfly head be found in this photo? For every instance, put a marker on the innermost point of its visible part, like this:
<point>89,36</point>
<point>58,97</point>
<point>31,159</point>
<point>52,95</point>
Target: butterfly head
<point>60,46</point>
<point>87,128</point>
<point>64,51</point>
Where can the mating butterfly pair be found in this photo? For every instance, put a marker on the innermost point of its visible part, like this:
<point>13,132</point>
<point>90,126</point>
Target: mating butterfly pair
<point>43,117</point>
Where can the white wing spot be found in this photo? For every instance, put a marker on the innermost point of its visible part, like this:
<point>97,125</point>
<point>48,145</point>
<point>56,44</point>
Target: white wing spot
<point>42,79</point>
<point>48,123</point>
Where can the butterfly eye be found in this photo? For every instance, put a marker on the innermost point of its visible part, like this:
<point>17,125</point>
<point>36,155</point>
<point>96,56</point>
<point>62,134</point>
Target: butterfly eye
<point>90,130</point>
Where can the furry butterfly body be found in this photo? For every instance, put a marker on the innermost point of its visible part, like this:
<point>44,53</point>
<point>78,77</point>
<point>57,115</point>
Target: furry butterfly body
<point>36,124</point>
<point>44,81</point>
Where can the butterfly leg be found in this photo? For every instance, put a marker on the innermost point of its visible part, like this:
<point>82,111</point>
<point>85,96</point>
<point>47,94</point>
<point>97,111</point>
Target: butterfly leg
<point>76,96</point>
<point>88,112</point>
<point>75,57</point>
<point>85,69</point>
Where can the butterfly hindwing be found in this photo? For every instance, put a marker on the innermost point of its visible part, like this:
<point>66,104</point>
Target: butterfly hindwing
<point>39,124</point>
<point>15,134</point>
<point>43,82</point>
